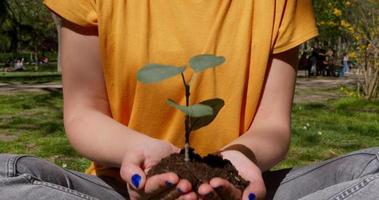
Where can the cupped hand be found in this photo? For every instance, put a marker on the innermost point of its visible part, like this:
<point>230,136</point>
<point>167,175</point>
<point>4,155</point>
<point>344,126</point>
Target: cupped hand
<point>139,160</point>
<point>220,189</point>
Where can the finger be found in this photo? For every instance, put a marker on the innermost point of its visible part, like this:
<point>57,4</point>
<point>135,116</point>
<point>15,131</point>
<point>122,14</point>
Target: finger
<point>225,189</point>
<point>182,188</point>
<point>207,192</point>
<point>131,171</point>
<point>204,189</point>
<point>188,196</point>
<point>255,191</point>
<point>159,183</point>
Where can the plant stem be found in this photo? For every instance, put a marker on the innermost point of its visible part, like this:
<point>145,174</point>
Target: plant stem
<point>187,122</point>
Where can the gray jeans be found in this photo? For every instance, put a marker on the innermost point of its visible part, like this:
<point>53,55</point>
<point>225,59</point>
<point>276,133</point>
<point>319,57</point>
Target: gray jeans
<point>352,177</point>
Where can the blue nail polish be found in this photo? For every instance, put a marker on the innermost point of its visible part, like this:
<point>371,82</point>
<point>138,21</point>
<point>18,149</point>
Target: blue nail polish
<point>136,180</point>
<point>179,190</point>
<point>218,188</point>
<point>252,196</point>
<point>209,195</point>
<point>169,184</point>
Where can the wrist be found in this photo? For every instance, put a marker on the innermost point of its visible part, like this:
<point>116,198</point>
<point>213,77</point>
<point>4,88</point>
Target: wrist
<point>244,166</point>
<point>247,152</point>
<point>240,155</point>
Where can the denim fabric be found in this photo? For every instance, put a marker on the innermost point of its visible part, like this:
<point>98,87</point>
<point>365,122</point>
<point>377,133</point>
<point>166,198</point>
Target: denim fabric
<point>30,178</point>
<point>353,176</point>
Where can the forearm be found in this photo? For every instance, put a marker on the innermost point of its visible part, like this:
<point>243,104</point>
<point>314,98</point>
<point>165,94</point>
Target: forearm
<point>89,127</point>
<point>268,142</point>
<point>269,134</point>
<point>99,137</point>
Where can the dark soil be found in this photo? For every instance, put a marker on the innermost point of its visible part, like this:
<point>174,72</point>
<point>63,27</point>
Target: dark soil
<point>199,170</point>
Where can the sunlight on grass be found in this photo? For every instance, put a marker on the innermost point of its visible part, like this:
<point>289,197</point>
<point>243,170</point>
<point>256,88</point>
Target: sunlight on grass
<point>32,123</point>
<point>325,130</point>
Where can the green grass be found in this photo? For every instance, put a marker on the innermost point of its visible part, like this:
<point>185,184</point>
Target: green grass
<point>325,130</point>
<point>30,77</point>
<point>46,73</point>
<point>31,123</point>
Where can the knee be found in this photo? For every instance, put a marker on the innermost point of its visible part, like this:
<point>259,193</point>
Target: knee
<point>373,150</point>
<point>373,166</point>
<point>369,152</point>
<point>13,165</point>
<point>363,162</point>
<point>31,165</point>
<point>8,164</point>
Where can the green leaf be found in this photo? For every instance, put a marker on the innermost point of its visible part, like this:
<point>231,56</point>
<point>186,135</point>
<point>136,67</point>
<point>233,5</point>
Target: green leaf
<point>202,62</point>
<point>152,73</point>
<point>196,110</point>
<point>199,122</point>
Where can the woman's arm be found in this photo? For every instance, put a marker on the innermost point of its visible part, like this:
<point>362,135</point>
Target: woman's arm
<point>269,134</point>
<point>91,129</point>
<point>87,120</point>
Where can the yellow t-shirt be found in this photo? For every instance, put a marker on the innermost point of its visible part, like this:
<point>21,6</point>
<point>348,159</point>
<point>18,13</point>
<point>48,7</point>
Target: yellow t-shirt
<point>136,32</point>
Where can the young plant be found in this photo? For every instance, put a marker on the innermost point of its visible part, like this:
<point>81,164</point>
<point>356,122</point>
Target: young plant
<point>196,115</point>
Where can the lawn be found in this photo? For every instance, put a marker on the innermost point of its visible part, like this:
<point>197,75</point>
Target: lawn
<point>325,130</point>
<point>29,77</point>
<point>31,123</point>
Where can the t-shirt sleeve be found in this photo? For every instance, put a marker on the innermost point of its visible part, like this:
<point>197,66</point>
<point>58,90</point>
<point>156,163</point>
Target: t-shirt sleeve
<point>81,12</point>
<point>297,25</point>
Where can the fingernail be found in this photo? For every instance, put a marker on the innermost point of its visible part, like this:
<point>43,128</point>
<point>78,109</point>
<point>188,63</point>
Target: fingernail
<point>169,184</point>
<point>209,195</point>
<point>179,190</point>
<point>218,187</point>
<point>136,180</point>
<point>252,196</point>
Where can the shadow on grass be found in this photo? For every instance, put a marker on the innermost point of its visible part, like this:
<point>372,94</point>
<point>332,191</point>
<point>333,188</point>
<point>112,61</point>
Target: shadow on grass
<point>40,112</point>
<point>29,77</point>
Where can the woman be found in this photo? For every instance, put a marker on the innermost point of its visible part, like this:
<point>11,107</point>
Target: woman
<point>126,128</point>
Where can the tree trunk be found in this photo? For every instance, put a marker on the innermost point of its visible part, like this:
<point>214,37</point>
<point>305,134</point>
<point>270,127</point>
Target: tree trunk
<point>370,78</point>
<point>36,60</point>
<point>58,23</point>
<point>13,34</point>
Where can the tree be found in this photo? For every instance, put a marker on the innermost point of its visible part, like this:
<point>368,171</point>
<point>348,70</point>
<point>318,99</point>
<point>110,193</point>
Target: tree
<point>58,24</point>
<point>329,14</point>
<point>3,11</point>
<point>361,23</point>
<point>352,26</point>
<point>28,26</point>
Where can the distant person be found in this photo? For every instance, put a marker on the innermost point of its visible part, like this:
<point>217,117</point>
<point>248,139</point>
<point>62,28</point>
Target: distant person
<point>329,62</point>
<point>304,63</point>
<point>345,61</point>
<point>313,62</point>
<point>321,66</point>
<point>345,65</point>
<point>19,65</point>
<point>6,67</point>
<point>43,60</point>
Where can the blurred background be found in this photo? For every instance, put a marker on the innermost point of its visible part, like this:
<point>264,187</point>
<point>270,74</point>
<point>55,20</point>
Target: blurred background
<point>336,106</point>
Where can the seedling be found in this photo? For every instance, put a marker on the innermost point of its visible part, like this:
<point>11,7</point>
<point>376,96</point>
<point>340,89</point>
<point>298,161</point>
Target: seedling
<point>196,115</point>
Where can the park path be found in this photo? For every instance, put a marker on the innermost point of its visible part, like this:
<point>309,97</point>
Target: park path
<point>16,87</point>
<point>321,89</point>
<point>313,89</point>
